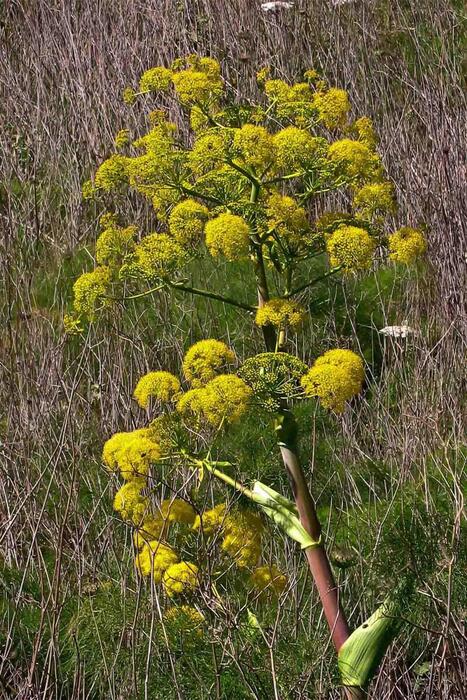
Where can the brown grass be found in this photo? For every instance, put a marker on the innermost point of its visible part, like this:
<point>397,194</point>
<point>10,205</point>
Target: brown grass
<point>63,66</point>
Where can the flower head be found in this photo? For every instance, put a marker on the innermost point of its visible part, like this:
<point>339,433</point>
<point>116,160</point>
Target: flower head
<point>131,452</point>
<point>90,292</point>
<point>281,313</point>
<point>350,247</point>
<point>114,244</point>
<point>155,79</point>
<point>406,245</point>
<point>273,377</point>
<point>112,173</point>
<point>375,198</point>
<point>354,158</point>
<point>228,235</point>
<point>242,531</point>
<point>181,578</point>
<point>290,101</point>
<point>211,520</point>
<point>190,405</point>
<point>129,96</point>
<point>194,86</point>
<point>364,130</point>
<point>297,148</point>
<point>155,558</point>
<point>160,385</point>
<point>332,106</point>
<point>335,378</point>
<point>268,580</point>
<point>205,359</point>
<point>186,221</point>
<point>177,510</point>
<point>122,138</point>
<point>185,619</point>
<point>254,146</point>
<point>209,150</point>
<point>288,220</point>
<point>156,256</point>
<point>149,529</point>
<point>130,502</point>
<point>224,399</point>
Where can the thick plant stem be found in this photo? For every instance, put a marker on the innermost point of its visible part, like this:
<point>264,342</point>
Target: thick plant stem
<point>317,558</point>
<point>318,561</point>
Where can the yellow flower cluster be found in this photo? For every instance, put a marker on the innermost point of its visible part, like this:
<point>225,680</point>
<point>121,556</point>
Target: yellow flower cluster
<point>185,619</point>
<point>228,235</point>
<point>186,221</point>
<point>131,452</point>
<point>273,377</point>
<point>297,148</point>
<point>177,510</point>
<point>111,173</point>
<point>130,502</point>
<point>90,292</point>
<point>242,531</point>
<point>150,528</point>
<point>198,86</point>
<point>254,146</point>
<point>147,172</point>
<point>122,138</point>
<point>160,385</point>
<point>155,79</point>
<point>204,360</point>
<point>335,378</point>
<point>114,244</point>
<point>156,257</point>
<point>406,245</point>
<point>287,219</point>
<point>353,157</point>
<point>351,248</point>
<point>181,578</point>
<point>209,151</point>
<point>281,313</point>
<point>268,580</point>
<point>375,198</point>
<point>332,106</point>
<point>364,130</point>
<point>223,400</point>
<point>198,119</point>
<point>162,198</point>
<point>88,190</point>
<point>155,558</point>
<point>211,520</point>
<point>290,101</point>
<point>128,96</point>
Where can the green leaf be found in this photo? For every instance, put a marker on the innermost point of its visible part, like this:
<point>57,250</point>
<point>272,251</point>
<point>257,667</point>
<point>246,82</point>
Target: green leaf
<point>283,512</point>
<point>362,652</point>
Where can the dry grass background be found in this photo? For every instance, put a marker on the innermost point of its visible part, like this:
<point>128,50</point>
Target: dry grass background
<point>63,66</point>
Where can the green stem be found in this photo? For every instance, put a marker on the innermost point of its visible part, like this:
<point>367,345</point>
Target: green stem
<point>254,180</point>
<point>237,485</point>
<point>211,295</point>
<point>200,195</point>
<point>313,282</point>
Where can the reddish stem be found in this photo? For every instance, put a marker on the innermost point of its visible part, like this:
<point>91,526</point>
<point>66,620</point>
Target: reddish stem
<point>317,558</point>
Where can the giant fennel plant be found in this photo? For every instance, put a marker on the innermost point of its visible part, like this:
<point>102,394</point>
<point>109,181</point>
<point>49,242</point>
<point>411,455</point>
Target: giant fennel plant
<point>238,185</point>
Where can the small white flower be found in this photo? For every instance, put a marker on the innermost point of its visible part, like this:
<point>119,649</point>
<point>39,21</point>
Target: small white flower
<point>268,6</point>
<point>397,331</point>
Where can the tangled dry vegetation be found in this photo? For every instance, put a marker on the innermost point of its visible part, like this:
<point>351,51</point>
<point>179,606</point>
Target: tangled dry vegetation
<point>389,479</point>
